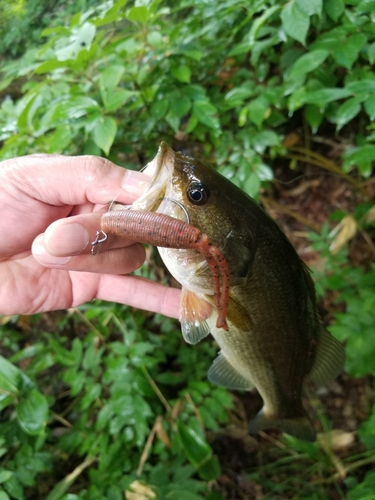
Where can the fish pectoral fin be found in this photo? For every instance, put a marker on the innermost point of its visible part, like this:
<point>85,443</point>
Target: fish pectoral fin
<point>329,359</point>
<point>223,373</point>
<point>193,314</point>
<point>299,427</point>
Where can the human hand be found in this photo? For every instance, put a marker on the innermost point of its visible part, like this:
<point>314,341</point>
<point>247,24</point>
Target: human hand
<point>50,208</point>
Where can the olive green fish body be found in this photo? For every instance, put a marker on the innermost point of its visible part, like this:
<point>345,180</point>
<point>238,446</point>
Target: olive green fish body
<point>275,339</point>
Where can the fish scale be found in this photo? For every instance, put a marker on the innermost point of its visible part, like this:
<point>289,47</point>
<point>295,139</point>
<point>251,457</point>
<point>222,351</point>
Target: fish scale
<point>276,340</point>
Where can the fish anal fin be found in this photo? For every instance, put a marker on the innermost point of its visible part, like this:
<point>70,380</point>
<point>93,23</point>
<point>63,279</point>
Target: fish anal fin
<point>329,359</point>
<point>193,314</point>
<point>223,373</point>
<point>299,427</point>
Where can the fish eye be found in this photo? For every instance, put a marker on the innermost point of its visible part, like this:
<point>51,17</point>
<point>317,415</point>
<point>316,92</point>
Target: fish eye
<point>197,193</point>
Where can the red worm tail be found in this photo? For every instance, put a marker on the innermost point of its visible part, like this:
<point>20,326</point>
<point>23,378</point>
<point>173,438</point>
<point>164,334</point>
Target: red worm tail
<point>164,231</point>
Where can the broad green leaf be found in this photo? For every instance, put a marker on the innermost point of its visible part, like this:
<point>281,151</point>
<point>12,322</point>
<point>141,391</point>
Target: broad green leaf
<point>159,108</point>
<point>297,99</point>
<point>10,378</point>
<point>310,7</point>
<point>362,157</point>
<point>111,77</point>
<point>32,412</point>
<point>60,139</point>
<point>236,96</point>
<point>114,100</point>
<point>206,113</point>
<point>198,452</point>
<point>361,86</point>
<point>50,65</point>
<point>259,22</point>
<point>181,73</point>
<point>295,22</point>
<point>323,96</point>
<point>173,121</point>
<point>252,184</point>
<point>155,38</point>
<point>264,139</point>
<point>179,104</point>
<point>347,111</point>
<point>314,116</point>
<point>257,111</point>
<point>191,53</point>
<point>371,52</point>
<point>334,8</point>
<point>4,496</point>
<point>346,52</point>
<point>104,133</point>
<point>369,106</point>
<point>5,475</point>
<point>138,14</point>
<point>308,62</point>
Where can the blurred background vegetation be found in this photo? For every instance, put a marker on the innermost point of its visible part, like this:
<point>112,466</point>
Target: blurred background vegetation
<point>104,402</point>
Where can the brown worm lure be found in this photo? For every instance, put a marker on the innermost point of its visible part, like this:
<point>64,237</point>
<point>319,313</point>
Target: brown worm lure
<point>164,231</point>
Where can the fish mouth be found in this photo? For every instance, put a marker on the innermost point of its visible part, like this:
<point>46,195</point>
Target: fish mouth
<point>160,169</point>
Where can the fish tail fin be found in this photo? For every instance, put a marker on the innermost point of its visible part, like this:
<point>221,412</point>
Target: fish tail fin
<point>299,427</point>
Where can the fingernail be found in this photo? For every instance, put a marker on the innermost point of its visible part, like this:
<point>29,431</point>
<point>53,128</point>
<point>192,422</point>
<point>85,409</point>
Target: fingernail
<point>135,183</point>
<point>63,238</point>
<point>43,257</point>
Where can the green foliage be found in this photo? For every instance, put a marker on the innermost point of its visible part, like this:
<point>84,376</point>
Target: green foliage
<point>114,79</point>
<point>116,386</point>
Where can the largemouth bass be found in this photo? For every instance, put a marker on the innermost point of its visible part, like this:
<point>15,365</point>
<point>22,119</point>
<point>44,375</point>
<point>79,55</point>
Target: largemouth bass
<point>275,339</point>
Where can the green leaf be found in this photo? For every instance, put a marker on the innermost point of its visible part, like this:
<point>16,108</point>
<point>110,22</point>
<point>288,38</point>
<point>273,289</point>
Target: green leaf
<point>138,14</point>
<point>159,108</point>
<point>4,496</point>
<point>346,52</point>
<point>347,111</point>
<point>182,73</point>
<point>5,475</point>
<point>50,65</point>
<point>295,22</point>
<point>115,99</point>
<point>252,184</point>
<point>363,158</point>
<point>60,139</point>
<point>257,111</point>
<point>236,96</point>
<point>104,133</point>
<point>324,96</point>
<point>198,452</point>
<point>32,412</point>
<point>361,86</point>
<point>310,7</point>
<point>179,104</point>
<point>206,113</point>
<point>334,8</point>
<point>111,77</point>
<point>371,52</point>
<point>308,62</point>
<point>10,379</point>
<point>313,116</point>
<point>369,106</point>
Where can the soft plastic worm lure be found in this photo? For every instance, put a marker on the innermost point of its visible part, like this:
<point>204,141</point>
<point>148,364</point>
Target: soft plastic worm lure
<point>164,231</point>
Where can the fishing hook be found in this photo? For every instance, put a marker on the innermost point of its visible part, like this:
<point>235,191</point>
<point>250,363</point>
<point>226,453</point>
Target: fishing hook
<point>100,238</point>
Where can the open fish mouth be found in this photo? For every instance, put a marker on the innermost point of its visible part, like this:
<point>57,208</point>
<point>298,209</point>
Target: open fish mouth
<point>160,169</point>
<point>158,196</point>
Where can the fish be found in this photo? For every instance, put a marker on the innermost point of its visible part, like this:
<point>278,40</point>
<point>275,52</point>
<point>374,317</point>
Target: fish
<point>275,340</point>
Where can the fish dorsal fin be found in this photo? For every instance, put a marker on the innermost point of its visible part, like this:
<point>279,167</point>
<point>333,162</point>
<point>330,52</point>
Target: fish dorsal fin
<point>223,373</point>
<point>329,359</point>
<point>193,314</point>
